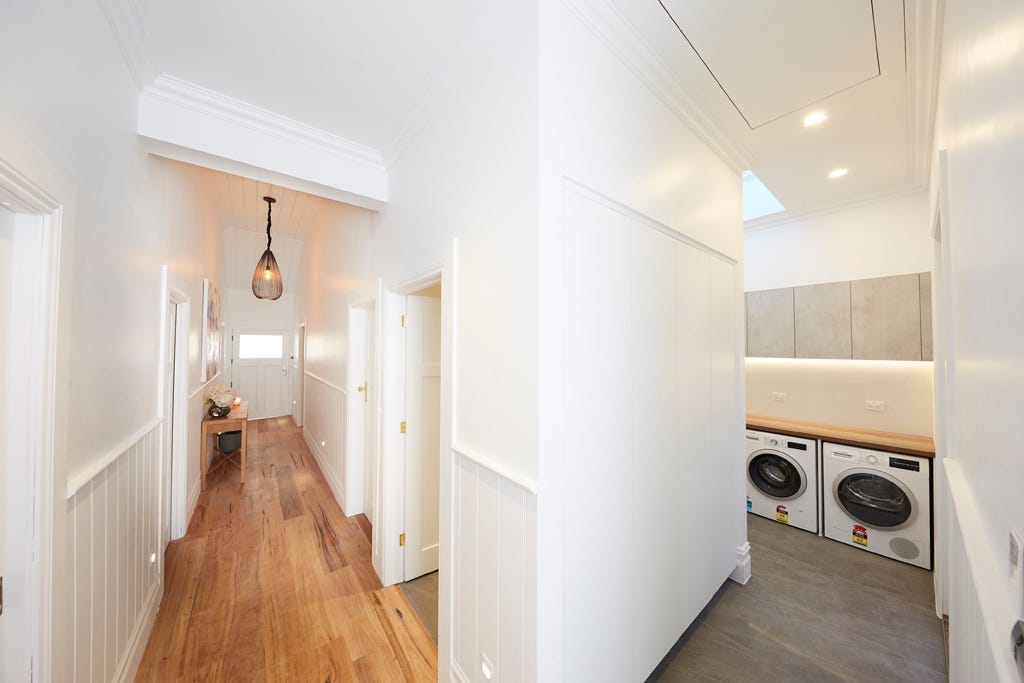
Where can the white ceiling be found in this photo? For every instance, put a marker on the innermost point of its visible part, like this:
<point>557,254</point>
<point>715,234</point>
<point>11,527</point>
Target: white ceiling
<point>757,67</point>
<point>353,68</point>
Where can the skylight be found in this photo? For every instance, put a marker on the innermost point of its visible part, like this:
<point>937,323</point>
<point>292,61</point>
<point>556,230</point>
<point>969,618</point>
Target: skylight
<point>757,199</point>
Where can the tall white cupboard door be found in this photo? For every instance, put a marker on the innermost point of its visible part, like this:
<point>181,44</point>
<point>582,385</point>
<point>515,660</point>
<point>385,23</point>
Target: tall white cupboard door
<point>423,435</point>
<point>598,549</point>
<point>654,463</point>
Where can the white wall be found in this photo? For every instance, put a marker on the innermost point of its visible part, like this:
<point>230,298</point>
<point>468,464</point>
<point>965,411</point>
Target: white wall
<point>889,237</point>
<point>619,167</point>
<point>75,104</point>
<point>834,391</point>
<point>335,264</point>
<point>979,124</point>
<point>469,171</point>
<point>871,240</point>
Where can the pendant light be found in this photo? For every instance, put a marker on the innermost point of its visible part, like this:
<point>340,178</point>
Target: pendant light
<point>266,280</point>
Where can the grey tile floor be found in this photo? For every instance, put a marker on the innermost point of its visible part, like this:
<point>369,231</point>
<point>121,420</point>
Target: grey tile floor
<point>814,610</point>
<point>422,594</point>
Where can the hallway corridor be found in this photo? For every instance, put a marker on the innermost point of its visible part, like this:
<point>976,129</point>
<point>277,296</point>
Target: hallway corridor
<point>273,583</point>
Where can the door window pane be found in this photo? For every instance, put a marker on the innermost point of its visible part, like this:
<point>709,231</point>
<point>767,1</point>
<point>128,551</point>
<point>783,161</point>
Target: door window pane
<point>260,346</point>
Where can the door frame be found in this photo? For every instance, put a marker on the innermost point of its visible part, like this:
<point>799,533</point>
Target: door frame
<point>40,309</point>
<point>299,366</point>
<point>390,500</point>
<point>175,429</point>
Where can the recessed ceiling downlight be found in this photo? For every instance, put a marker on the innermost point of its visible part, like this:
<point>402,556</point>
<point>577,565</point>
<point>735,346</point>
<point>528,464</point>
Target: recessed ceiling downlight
<point>838,173</point>
<point>814,118</point>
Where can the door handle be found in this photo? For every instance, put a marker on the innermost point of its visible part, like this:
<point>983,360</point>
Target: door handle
<point>365,391</point>
<point>284,369</point>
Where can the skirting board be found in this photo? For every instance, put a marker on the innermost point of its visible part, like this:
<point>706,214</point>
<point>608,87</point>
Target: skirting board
<point>190,503</point>
<point>139,638</point>
<point>742,572</point>
<point>336,488</point>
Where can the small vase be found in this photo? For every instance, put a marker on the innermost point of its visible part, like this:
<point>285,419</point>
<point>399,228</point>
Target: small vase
<point>218,411</point>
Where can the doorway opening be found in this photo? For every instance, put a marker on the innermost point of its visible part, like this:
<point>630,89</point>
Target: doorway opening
<point>299,368</point>
<point>31,233</point>
<point>175,400</point>
<point>364,406</point>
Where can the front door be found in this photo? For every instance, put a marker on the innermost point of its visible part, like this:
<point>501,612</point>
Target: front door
<point>423,435</point>
<point>260,371</point>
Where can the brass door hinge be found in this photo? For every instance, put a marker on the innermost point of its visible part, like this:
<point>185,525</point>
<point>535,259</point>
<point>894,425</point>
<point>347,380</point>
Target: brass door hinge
<point>364,390</point>
<point>403,320</point>
<point>401,539</point>
<point>401,427</point>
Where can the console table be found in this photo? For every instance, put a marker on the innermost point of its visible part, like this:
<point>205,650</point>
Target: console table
<point>235,421</point>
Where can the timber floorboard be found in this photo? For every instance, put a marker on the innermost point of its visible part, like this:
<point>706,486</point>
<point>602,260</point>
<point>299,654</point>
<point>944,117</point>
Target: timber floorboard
<point>272,582</point>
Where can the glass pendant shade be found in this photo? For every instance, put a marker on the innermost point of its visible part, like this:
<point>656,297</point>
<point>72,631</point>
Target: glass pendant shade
<point>266,279</point>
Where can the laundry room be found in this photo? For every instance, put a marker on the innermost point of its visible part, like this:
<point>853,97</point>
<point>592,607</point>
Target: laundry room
<point>840,399</point>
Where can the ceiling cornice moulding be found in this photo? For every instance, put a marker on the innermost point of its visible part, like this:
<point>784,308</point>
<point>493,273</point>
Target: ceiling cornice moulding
<point>182,93</point>
<point>786,217</point>
<point>613,29</point>
<point>924,44</point>
<point>187,122</point>
<point>129,29</point>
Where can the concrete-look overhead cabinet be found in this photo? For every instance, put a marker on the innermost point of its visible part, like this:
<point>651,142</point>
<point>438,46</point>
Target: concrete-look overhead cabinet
<point>886,318</point>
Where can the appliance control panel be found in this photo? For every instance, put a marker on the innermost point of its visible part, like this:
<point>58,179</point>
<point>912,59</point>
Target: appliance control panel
<point>904,464</point>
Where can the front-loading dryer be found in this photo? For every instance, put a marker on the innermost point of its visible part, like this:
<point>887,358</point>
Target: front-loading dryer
<point>878,501</point>
<point>782,476</point>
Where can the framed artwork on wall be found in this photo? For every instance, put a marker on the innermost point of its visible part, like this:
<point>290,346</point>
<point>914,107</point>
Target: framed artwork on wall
<point>211,331</point>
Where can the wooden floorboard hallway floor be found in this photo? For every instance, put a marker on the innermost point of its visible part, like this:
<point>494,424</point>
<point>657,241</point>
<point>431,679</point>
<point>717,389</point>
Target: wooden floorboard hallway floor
<point>273,582</point>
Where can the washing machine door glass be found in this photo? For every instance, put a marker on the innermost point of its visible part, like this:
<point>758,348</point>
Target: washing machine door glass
<point>775,475</point>
<point>874,500</point>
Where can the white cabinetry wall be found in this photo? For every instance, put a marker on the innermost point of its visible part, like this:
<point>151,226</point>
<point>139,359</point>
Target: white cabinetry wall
<point>652,512</point>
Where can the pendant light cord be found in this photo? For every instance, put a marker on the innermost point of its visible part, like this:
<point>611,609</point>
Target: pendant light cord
<point>269,206</point>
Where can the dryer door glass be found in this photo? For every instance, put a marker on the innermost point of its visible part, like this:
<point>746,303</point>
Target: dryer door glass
<point>874,500</point>
<point>775,476</point>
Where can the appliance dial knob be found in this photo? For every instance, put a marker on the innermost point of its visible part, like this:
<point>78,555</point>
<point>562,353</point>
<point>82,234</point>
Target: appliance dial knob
<point>773,442</point>
<point>873,459</point>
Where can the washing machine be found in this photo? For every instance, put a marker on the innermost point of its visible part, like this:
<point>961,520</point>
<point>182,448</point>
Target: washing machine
<point>782,476</point>
<point>880,502</point>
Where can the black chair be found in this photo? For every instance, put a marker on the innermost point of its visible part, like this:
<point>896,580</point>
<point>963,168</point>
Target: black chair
<point>228,444</point>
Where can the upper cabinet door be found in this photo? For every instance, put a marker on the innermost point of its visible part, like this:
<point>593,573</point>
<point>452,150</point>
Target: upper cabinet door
<point>822,321</point>
<point>770,324</point>
<point>886,316</point>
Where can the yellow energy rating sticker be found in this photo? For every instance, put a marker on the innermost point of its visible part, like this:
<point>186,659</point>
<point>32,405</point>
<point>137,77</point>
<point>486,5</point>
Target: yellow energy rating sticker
<point>860,535</point>
<point>781,514</point>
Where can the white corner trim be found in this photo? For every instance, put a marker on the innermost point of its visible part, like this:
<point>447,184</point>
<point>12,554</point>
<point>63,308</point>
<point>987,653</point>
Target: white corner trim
<point>325,382</point>
<point>924,40</point>
<point>136,646</point>
<point>183,118</point>
<point>774,220</point>
<point>528,483</point>
<point>742,572</point>
<point>611,27</point>
<point>91,471</point>
<point>129,29</point>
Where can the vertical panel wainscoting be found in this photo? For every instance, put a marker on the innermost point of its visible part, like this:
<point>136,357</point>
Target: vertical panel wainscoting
<point>980,617</point>
<point>323,406</point>
<point>115,518</point>
<point>493,560</point>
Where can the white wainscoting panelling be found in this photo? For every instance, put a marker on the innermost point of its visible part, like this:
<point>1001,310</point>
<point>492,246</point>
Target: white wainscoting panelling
<point>115,522</point>
<point>979,614</point>
<point>324,430</point>
<point>493,560</point>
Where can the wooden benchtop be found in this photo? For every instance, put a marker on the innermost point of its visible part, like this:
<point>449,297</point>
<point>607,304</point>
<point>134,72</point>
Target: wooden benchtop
<point>907,444</point>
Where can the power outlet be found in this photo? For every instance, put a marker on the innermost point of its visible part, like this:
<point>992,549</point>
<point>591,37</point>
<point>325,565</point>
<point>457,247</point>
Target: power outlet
<point>876,406</point>
<point>1016,573</point>
<point>780,396</point>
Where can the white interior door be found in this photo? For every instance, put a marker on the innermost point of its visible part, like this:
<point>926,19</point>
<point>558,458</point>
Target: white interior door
<point>169,393</point>
<point>260,371</point>
<point>369,416</point>
<point>423,435</point>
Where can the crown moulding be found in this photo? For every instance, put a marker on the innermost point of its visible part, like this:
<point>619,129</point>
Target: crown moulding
<point>187,122</point>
